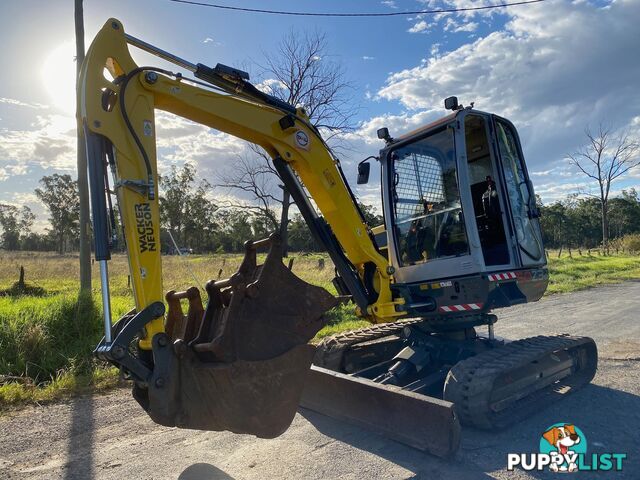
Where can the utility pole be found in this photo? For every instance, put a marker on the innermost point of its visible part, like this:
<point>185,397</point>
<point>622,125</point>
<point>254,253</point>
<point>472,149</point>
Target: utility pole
<point>83,185</point>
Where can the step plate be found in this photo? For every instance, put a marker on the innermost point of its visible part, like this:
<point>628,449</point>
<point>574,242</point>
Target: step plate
<point>422,422</point>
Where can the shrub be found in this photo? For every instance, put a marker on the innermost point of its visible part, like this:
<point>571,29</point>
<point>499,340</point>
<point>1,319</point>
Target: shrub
<point>631,243</point>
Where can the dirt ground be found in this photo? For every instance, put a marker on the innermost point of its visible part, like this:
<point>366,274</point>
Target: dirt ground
<point>109,437</point>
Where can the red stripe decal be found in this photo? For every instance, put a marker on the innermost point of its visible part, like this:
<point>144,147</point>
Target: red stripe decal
<point>493,277</point>
<point>465,307</point>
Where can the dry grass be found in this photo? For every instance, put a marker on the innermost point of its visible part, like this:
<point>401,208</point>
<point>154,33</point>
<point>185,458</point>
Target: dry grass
<point>47,340</point>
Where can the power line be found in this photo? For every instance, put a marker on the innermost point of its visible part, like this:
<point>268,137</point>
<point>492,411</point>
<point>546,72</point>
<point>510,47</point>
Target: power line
<point>365,14</point>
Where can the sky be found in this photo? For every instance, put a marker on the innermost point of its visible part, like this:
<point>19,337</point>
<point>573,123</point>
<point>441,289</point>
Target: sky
<point>553,68</point>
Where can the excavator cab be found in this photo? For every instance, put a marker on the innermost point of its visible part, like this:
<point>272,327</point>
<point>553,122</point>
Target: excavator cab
<point>460,212</point>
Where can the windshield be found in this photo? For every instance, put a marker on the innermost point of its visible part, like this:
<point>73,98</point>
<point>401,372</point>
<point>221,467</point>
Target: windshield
<point>428,217</point>
<point>518,191</point>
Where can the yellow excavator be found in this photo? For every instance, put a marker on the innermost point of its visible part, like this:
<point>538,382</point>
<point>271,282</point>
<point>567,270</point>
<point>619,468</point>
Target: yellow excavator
<point>461,238</point>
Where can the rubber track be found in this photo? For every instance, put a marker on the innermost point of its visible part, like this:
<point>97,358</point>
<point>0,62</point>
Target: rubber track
<point>330,351</point>
<point>470,382</point>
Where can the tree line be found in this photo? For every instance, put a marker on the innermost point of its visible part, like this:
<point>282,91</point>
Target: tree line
<point>576,221</point>
<point>190,215</point>
<point>193,217</point>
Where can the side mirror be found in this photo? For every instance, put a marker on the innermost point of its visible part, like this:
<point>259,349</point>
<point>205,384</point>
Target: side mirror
<point>364,168</point>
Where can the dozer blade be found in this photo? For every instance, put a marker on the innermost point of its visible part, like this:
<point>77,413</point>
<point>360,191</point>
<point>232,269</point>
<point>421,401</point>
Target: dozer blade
<point>422,422</point>
<point>241,364</point>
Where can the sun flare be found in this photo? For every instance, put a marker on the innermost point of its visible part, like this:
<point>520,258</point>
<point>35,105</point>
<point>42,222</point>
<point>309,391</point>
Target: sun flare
<point>59,77</point>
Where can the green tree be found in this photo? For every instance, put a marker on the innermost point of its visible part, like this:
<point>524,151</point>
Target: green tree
<point>235,229</point>
<point>371,218</point>
<point>59,193</point>
<point>300,238</point>
<point>625,214</point>
<point>16,224</point>
<point>552,221</point>
<point>185,209</point>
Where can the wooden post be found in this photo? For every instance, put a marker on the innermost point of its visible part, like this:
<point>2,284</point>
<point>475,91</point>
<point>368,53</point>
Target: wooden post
<point>83,182</point>
<point>320,263</point>
<point>21,280</point>
<point>291,263</point>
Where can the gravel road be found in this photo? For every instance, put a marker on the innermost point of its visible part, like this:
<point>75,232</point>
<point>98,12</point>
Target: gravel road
<point>108,436</point>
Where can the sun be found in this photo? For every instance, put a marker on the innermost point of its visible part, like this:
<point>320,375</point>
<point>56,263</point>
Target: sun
<point>59,77</point>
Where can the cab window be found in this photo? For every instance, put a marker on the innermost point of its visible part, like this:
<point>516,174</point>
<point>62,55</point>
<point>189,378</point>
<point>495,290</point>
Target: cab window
<point>428,217</point>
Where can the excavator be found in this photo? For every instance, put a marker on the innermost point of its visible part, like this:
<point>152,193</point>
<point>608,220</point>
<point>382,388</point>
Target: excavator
<point>461,238</point>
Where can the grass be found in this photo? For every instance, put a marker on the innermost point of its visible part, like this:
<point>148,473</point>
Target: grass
<point>46,340</point>
<point>65,384</point>
<point>570,274</point>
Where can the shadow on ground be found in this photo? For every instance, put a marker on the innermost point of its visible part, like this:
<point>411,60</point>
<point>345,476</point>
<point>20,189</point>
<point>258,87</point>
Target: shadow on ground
<point>81,439</point>
<point>203,471</point>
<point>423,466</point>
<point>609,419</point>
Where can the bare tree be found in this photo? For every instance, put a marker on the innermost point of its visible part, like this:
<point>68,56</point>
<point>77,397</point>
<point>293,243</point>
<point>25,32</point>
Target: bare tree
<point>257,180</point>
<point>605,158</point>
<point>302,74</point>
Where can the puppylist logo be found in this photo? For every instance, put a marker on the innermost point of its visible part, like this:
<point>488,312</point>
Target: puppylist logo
<point>563,449</point>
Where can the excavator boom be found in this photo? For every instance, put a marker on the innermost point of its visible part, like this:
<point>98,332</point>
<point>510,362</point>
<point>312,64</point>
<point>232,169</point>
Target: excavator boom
<point>239,364</point>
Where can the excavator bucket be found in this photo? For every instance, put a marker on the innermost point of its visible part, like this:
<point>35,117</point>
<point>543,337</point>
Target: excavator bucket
<point>241,363</point>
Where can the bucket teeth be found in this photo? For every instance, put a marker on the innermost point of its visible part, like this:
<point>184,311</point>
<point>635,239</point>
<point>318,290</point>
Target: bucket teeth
<point>261,311</point>
<point>177,325</point>
<point>241,363</point>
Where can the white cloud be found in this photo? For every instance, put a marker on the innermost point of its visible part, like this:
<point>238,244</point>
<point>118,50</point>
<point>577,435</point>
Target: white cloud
<point>419,27</point>
<point>19,103</point>
<point>389,3</point>
<point>397,124</point>
<point>180,141</point>
<point>367,58</point>
<point>551,74</point>
<point>561,171</point>
<point>51,143</point>
<point>466,4</point>
<point>452,25</point>
<point>270,85</point>
<point>212,42</point>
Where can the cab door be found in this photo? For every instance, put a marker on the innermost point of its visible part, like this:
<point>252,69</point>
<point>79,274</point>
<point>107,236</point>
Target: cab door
<point>424,208</point>
<point>520,195</point>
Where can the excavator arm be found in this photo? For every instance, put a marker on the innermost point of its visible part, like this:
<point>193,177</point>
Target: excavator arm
<point>240,363</point>
<point>118,100</point>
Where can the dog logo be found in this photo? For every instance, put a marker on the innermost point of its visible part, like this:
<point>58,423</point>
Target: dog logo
<point>563,449</point>
<point>564,439</point>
